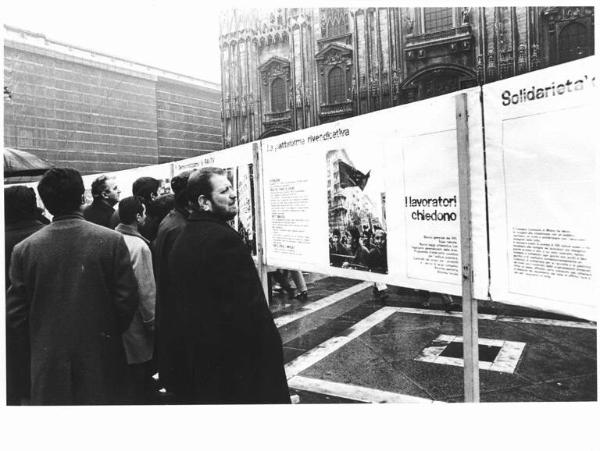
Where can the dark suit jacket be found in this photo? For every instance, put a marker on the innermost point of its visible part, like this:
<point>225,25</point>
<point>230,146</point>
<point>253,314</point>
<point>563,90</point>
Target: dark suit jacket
<point>99,212</point>
<point>232,349</point>
<point>72,283</point>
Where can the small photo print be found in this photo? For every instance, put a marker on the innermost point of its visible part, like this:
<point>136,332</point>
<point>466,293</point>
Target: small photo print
<point>357,231</point>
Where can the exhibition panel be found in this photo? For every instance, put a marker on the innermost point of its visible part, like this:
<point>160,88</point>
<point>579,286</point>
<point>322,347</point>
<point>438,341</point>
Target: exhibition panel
<point>542,144</point>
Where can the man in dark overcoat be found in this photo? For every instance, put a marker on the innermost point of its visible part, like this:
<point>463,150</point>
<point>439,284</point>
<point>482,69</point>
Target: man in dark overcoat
<point>168,231</point>
<point>20,214</point>
<point>106,195</point>
<point>232,350</point>
<point>72,283</point>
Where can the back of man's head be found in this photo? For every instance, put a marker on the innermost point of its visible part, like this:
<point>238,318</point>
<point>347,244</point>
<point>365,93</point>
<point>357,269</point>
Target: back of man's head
<point>179,188</point>
<point>199,184</point>
<point>19,203</point>
<point>129,208</point>
<point>99,185</point>
<point>61,190</point>
<point>145,187</point>
<point>160,207</point>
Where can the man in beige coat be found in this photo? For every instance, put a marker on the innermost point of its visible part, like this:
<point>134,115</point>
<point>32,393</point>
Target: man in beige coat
<point>138,339</point>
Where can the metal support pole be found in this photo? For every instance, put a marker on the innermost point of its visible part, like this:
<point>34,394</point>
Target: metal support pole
<point>469,305</point>
<point>259,220</point>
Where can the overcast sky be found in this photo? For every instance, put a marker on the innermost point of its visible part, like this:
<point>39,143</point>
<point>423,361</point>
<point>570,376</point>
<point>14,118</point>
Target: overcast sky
<point>169,34</point>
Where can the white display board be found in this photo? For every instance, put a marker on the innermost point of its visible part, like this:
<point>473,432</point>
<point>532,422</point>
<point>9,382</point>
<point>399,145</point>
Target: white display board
<point>410,156</point>
<point>238,163</point>
<point>542,143</point>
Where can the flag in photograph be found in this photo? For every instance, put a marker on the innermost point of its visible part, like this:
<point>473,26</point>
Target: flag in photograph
<point>350,176</point>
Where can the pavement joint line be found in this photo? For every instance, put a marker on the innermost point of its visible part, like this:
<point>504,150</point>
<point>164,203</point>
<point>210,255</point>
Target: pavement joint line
<point>506,319</point>
<point>321,351</point>
<point>353,392</point>
<point>547,322</point>
<point>320,304</point>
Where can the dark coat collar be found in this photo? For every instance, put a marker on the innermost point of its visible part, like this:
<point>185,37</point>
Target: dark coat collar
<point>127,229</point>
<point>206,216</point>
<point>100,203</point>
<point>74,215</point>
<point>182,211</point>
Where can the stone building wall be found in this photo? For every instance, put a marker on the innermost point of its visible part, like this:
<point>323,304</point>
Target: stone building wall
<point>78,108</point>
<point>387,57</point>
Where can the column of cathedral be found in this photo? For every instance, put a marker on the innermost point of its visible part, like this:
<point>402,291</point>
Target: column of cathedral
<point>227,95</point>
<point>294,38</point>
<point>355,59</point>
<point>223,117</point>
<point>390,54</point>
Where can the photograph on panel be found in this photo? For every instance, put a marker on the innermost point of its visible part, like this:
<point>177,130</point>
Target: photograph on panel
<point>356,209</point>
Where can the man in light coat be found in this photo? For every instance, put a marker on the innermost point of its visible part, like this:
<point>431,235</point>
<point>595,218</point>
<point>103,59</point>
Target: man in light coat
<point>73,285</point>
<point>139,337</point>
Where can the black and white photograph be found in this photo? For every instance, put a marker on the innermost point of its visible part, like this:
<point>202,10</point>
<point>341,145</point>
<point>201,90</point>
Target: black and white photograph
<point>357,233</point>
<point>224,223</point>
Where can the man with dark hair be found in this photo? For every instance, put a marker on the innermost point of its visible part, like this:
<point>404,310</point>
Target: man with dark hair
<point>145,188</point>
<point>337,251</point>
<point>377,259</point>
<point>106,194</point>
<point>139,337</point>
<point>20,214</point>
<point>232,351</point>
<point>73,285</point>
<point>156,211</point>
<point>168,231</point>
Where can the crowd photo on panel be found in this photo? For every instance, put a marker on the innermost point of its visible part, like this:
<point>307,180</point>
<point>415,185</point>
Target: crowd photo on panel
<point>147,299</point>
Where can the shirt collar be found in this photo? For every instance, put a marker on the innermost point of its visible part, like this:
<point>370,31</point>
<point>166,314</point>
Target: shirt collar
<point>127,229</point>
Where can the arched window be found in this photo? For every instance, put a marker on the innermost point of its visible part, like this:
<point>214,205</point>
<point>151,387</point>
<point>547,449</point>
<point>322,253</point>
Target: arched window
<point>572,42</point>
<point>336,85</point>
<point>437,19</point>
<point>278,95</point>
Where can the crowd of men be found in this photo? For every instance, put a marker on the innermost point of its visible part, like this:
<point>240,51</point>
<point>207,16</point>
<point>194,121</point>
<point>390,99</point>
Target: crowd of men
<point>103,297</point>
<point>364,249</point>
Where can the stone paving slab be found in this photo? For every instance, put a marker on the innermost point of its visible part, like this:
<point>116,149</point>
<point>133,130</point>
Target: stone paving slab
<point>382,358</point>
<point>557,363</point>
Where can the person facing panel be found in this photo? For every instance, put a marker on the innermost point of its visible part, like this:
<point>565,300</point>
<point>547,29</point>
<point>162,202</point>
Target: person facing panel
<point>230,348</point>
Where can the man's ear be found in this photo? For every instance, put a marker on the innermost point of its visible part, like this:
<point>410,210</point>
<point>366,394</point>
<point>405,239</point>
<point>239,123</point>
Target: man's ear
<point>204,203</point>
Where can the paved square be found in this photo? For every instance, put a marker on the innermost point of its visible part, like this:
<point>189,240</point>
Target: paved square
<point>387,356</point>
<point>506,361</point>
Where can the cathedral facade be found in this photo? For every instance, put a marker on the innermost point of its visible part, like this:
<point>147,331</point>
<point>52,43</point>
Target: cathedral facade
<point>288,69</point>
